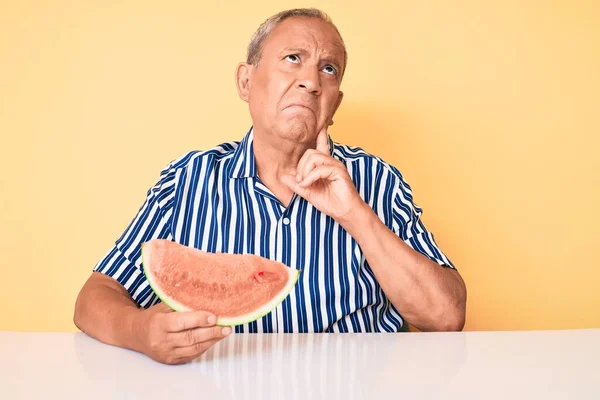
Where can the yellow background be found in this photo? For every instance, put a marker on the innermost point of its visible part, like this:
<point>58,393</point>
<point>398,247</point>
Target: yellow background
<point>490,109</point>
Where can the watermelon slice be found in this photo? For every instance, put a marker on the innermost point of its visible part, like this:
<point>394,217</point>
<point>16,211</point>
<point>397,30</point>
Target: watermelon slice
<point>236,288</point>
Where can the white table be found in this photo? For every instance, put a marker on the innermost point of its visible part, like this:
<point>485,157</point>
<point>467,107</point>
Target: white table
<point>469,365</point>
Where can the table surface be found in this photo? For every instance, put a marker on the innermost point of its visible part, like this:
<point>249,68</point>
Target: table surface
<point>457,365</point>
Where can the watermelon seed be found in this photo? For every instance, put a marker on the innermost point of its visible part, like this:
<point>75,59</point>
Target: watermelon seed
<point>259,276</point>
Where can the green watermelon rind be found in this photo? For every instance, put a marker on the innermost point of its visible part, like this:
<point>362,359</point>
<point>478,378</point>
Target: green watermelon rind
<point>267,308</point>
<point>221,321</point>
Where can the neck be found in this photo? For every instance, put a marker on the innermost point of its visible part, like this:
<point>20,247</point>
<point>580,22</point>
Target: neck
<point>276,157</point>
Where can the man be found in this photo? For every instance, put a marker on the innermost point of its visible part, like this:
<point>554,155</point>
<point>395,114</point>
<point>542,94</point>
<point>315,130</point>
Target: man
<point>289,193</point>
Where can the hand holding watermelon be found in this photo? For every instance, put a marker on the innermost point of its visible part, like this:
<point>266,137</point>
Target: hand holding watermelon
<point>177,337</point>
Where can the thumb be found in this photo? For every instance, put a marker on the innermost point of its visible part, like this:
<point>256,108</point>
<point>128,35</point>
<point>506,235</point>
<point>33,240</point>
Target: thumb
<point>323,141</point>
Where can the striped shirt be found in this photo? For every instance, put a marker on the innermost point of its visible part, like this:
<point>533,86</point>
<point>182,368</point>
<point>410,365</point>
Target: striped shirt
<point>214,200</point>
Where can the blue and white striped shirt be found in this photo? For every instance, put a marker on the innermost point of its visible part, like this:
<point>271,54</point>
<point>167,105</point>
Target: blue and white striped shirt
<point>214,200</point>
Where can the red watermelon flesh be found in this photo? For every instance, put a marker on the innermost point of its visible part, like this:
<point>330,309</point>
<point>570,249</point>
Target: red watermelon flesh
<point>237,288</point>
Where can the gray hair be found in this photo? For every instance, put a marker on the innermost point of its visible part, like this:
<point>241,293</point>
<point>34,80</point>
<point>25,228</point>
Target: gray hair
<point>256,42</point>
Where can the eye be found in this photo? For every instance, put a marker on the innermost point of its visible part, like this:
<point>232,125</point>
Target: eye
<point>293,58</point>
<point>330,70</point>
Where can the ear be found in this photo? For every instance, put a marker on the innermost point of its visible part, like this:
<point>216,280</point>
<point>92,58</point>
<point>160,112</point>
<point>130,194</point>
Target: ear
<point>243,74</point>
<point>337,105</point>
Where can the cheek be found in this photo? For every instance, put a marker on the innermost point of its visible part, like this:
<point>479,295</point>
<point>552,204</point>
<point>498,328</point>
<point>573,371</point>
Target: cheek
<point>328,103</point>
<point>261,96</point>
<point>279,86</point>
<point>269,92</point>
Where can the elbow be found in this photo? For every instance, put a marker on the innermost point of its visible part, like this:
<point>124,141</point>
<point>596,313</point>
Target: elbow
<point>446,316</point>
<point>454,308</point>
<point>439,310</point>
<point>78,313</point>
<point>452,314</point>
<point>453,320</point>
<point>76,317</point>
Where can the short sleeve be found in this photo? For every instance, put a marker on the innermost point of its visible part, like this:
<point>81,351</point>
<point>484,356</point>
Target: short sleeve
<point>152,221</point>
<point>408,225</point>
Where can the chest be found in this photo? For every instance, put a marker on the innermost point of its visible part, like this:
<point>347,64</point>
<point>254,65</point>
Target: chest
<point>244,217</point>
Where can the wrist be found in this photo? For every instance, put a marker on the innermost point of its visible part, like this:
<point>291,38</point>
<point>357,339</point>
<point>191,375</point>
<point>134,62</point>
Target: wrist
<point>359,220</point>
<point>134,329</point>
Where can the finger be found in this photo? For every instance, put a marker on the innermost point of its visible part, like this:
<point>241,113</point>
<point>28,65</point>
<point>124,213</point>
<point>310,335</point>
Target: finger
<point>293,185</point>
<point>323,141</point>
<point>314,160</point>
<point>184,355</point>
<point>189,353</point>
<point>198,335</point>
<point>289,181</point>
<point>303,160</point>
<point>320,172</point>
<point>182,321</point>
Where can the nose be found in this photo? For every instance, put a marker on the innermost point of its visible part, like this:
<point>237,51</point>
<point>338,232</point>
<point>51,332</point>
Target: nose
<point>309,80</point>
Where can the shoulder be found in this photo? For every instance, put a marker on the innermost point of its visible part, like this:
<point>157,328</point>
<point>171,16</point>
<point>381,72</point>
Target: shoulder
<point>193,163</point>
<point>380,182</point>
<point>364,163</point>
<point>206,159</point>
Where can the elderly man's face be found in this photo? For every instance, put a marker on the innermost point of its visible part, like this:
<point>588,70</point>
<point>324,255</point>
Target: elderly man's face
<point>294,90</point>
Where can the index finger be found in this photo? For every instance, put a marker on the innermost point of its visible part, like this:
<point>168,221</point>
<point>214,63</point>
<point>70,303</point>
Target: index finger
<point>184,320</point>
<point>323,141</point>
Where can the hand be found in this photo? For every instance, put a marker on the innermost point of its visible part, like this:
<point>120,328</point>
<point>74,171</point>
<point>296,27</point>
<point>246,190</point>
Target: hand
<point>177,337</point>
<point>324,181</point>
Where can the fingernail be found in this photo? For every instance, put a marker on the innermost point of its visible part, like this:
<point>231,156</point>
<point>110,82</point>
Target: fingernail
<point>226,331</point>
<point>212,319</point>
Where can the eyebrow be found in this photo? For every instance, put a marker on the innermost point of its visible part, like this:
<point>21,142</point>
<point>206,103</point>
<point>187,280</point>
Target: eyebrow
<point>303,51</point>
<point>299,50</point>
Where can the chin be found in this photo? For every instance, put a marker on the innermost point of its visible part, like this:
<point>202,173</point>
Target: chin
<point>296,130</point>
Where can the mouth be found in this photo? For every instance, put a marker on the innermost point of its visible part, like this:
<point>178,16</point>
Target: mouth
<point>299,107</point>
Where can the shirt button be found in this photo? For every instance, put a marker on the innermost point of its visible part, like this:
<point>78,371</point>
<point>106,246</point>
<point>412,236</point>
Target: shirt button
<point>286,221</point>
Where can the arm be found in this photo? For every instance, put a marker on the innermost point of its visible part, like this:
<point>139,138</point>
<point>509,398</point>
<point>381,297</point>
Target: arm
<point>105,311</point>
<point>429,296</point>
<point>113,305</point>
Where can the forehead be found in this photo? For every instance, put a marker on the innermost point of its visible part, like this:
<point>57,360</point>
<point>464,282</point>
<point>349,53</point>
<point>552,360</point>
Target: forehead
<point>308,33</point>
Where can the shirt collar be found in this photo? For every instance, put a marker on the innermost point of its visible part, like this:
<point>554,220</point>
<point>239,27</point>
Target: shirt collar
<point>244,163</point>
